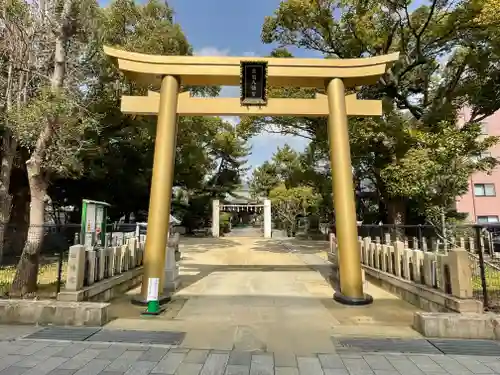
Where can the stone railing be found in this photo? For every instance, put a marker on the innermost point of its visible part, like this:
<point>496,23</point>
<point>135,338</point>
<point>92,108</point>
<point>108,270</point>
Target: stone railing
<point>101,274</point>
<point>432,281</point>
<point>95,274</point>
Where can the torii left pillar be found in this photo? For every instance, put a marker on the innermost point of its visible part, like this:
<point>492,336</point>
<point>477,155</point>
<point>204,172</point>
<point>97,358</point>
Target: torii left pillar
<point>161,194</point>
<point>215,218</point>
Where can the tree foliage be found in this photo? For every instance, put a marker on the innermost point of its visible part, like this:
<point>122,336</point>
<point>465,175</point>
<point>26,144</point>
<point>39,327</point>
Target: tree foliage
<point>61,120</point>
<point>420,153</point>
<point>289,203</point>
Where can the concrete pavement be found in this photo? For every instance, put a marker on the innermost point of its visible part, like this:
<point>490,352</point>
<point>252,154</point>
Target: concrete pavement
<point>257,294</point>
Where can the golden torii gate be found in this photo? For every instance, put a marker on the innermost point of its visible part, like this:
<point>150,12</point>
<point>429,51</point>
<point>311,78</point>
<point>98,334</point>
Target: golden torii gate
<point>253,74</point>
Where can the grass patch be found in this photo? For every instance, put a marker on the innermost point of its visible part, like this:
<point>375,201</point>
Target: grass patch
<point>47,279</point>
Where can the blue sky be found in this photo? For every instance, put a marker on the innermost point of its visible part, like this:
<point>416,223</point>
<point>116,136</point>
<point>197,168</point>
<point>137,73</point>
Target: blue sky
<point>232,27</point>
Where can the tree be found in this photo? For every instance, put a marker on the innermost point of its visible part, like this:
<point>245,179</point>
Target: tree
<point>70,126</point>
<point>446,60</point>
<point>50,123</point>
<point>284,167</point>
<point>288,203</point>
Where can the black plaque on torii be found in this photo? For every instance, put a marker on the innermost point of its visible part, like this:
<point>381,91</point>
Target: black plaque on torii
<point>253,80</point>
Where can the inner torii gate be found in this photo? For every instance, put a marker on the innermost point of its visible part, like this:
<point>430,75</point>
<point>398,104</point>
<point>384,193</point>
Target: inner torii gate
<point>265,207</point>
<point>335,75</point>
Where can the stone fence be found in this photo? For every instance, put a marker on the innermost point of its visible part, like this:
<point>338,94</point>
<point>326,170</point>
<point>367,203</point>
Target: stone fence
<point>103,273</point>
<point>435,282</point>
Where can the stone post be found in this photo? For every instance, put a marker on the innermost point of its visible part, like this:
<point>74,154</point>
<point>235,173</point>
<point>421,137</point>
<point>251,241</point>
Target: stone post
<point>171,273</point>
<point>76,268</point>
<point>366,250</point>
<point>132,249</point>
<point>460,273</point>
<point>117,260</point>
<point>91,258</point>
<point>102,253</point>
<point>125,262</point>
<point>429,259</point>
<point>215,217</point>
<point>267,219</point>
<point>399,247</point>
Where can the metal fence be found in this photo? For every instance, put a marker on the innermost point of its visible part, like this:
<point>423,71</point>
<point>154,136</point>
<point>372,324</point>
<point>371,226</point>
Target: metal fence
<point>52,242</point>
<point>482,242</point>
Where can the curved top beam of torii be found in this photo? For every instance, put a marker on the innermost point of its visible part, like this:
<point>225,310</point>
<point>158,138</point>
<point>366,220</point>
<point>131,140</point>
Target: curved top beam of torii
<point>225,71</point>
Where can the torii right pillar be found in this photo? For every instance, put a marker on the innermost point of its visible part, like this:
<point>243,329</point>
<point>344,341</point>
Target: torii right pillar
<point>349,258</point>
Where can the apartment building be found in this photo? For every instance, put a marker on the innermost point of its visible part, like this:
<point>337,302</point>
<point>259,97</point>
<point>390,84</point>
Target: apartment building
<point>482,201</point>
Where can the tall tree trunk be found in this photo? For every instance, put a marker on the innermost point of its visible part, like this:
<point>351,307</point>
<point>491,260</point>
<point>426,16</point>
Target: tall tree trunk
<point>9,146</point>
<point>17,229</point>
<point>25,280</point>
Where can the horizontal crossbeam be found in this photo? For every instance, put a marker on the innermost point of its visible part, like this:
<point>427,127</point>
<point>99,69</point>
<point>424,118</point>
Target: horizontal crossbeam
<point>225,71</point>
<point>194,106</point>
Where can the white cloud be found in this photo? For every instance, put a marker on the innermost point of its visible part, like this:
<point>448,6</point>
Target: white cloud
<point>211,51</point>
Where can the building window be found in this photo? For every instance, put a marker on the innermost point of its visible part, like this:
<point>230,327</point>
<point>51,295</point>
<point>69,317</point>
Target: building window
<point>484,190</point>
<point>487,219</point>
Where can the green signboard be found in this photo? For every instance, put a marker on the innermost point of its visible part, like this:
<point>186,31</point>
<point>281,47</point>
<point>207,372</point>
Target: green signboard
<point>94,222</point>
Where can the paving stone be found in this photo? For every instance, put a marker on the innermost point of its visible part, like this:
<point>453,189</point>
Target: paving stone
<point>79,360</point>
<point>215,364</point>
<point>473,365</point>
<point>112,373</point>
<point>263,359</point>
<point>94,367</point>
<point>9,361</point>
<point>40,356</point>
<point>72,350</point>
<point>495,366</point>
<point>196,356</point>
<point>153,354</point>
<point>378,362</point>
<point>169,363</point>
<point>141,368</point>
<point>112,352</point>
<point>286,371</point>
<point>124,361</point>
<point>14,370</point>
<point>309,366</point>
<point>332,361</point>
<point>357,366</point>
<point>385,372</point>
<point>451,365</point>
<point>425,363</point>
<point>188,369</point>
<point>7,348</point>
<point>30,361</point>
<point>33,348</point>
<point>337,371</point>
<point>405,366</point>
<point>46,366</point>
<point>285,359</point>
<point>237,370</point>
<point>240,358</point>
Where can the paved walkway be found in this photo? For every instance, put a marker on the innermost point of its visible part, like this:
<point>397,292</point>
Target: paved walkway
<point>27,357</point>
<point>256,294</point>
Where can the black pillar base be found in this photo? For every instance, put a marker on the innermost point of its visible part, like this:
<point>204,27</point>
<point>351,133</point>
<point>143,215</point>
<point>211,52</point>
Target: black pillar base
<point>353,301</point>
<point>139,300</point>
